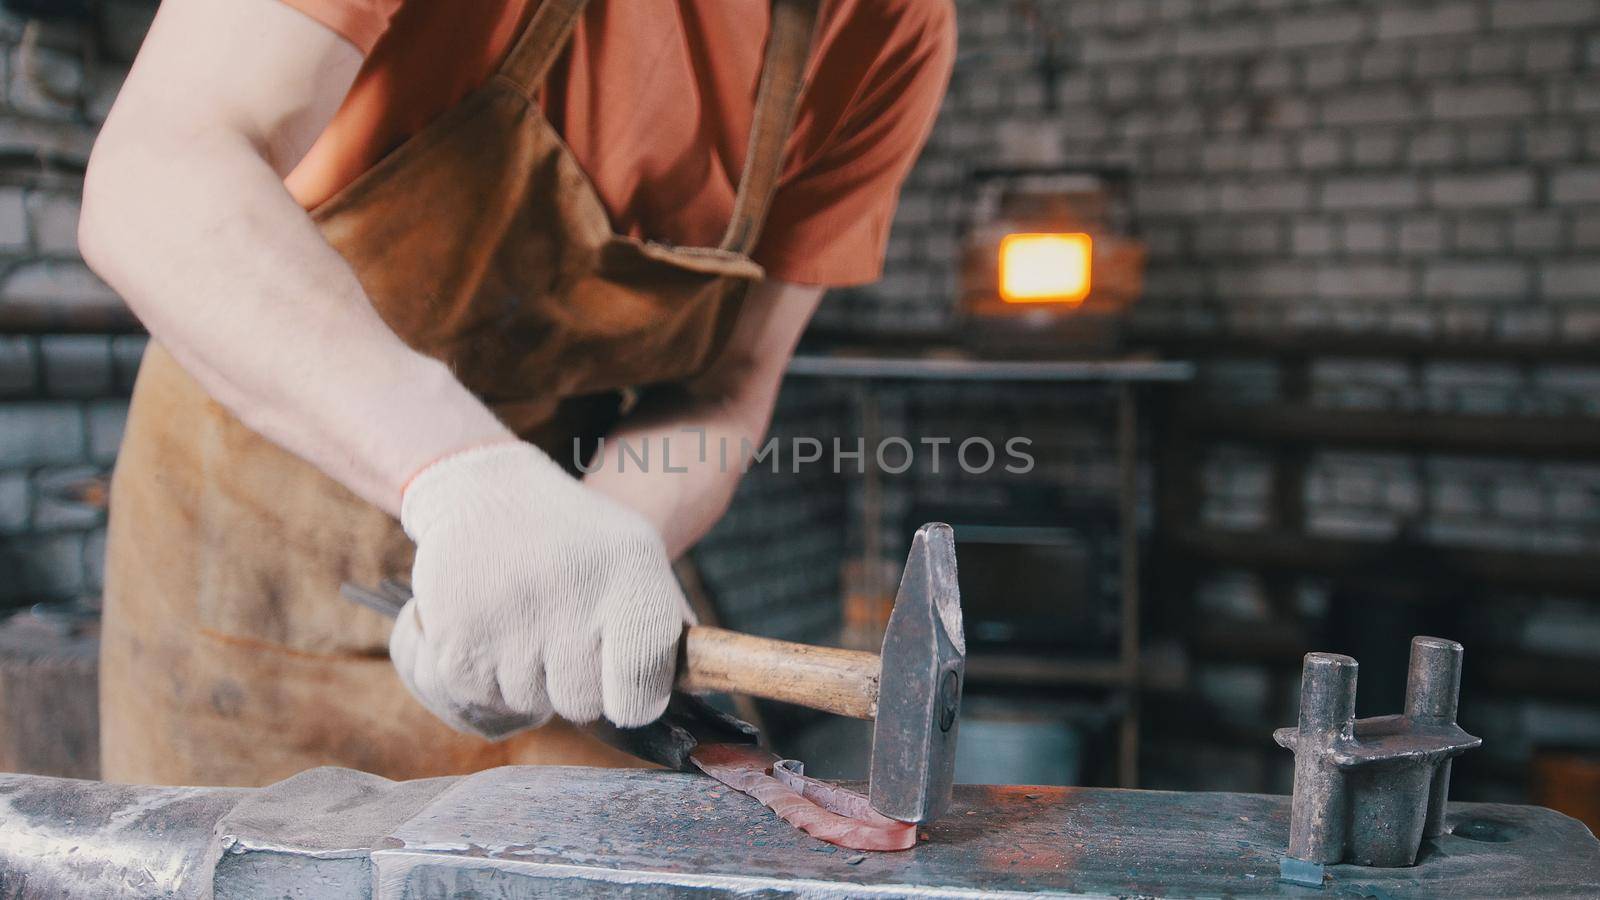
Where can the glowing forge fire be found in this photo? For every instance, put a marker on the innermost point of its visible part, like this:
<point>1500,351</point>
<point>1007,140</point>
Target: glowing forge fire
<point>1045,268</point>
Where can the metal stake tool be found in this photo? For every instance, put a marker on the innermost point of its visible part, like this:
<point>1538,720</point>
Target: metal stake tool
<point>1369,791</point>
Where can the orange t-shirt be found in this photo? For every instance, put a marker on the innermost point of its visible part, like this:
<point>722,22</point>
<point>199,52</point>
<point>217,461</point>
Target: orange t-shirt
<point>655,99</point>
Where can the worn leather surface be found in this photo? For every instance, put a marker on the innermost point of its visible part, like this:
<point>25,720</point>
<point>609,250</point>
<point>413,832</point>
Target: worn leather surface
<point>228,656</point>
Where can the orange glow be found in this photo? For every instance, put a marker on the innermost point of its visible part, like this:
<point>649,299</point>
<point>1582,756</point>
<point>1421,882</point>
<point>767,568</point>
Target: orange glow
<point>1045,268</point>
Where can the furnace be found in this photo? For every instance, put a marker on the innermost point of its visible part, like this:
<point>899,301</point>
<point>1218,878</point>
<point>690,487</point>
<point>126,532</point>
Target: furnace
<point>1051,262</point>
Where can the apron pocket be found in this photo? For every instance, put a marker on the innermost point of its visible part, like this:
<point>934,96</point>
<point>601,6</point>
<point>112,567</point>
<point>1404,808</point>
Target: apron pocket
<point>277,538</point>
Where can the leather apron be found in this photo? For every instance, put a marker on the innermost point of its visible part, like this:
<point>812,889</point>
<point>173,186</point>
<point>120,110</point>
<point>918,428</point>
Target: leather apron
<point>228,656</point>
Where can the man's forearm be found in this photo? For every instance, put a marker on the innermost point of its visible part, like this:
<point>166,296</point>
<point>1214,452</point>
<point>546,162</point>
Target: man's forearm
<point>653,463</point>
<point>705,428</point>
<point>232,277</point>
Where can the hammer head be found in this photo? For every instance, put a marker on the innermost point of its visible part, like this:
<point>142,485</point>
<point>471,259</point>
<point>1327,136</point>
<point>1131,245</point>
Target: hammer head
<point>919,695</point>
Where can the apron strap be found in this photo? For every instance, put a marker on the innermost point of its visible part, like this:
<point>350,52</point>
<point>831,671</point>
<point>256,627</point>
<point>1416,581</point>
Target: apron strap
<point>777,99</point>
<point>541,42</point>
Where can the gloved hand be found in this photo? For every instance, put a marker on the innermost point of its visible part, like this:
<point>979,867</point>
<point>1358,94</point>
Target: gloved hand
<point>533,595</point>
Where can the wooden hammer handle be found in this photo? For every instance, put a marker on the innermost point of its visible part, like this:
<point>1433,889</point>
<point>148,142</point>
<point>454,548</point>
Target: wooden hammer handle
<point>842,682</point>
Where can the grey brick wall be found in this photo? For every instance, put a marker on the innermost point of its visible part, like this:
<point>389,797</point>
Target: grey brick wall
<point>1296,161</point>
<point>62,396</point>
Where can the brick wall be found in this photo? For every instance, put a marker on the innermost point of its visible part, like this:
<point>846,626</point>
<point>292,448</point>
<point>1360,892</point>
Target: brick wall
<point>1425,167</point>
<point>62,396</point>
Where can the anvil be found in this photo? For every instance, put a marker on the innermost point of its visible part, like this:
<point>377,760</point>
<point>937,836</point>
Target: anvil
<point>560,831</point>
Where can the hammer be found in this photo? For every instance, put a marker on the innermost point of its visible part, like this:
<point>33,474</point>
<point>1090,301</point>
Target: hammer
<point>911,691</point>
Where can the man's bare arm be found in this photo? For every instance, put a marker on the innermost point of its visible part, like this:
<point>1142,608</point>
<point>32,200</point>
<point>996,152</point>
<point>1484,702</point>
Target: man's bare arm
<point>185,215</point>
<point>732,403</point>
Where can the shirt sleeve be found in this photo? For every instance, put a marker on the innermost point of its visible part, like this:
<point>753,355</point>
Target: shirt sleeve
<point>361,22</point>
<point>875,90</point>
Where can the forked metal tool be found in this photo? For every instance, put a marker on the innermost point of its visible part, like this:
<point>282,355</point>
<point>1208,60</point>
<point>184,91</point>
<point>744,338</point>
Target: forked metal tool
<point>1369,791</point>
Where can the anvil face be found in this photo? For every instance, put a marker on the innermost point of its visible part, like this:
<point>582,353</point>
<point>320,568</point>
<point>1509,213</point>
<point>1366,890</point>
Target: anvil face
<point>919,697</point>
<point>560,831</point>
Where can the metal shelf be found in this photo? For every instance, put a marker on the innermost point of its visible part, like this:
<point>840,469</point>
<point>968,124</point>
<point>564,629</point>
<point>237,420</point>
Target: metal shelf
<point>912,368</point>
<point>1121,675</point>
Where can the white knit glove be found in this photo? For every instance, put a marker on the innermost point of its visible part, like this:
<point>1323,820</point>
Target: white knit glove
<point>533,595</point>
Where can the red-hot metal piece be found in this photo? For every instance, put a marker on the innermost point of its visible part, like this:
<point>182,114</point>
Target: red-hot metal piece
<point>826,812</point>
